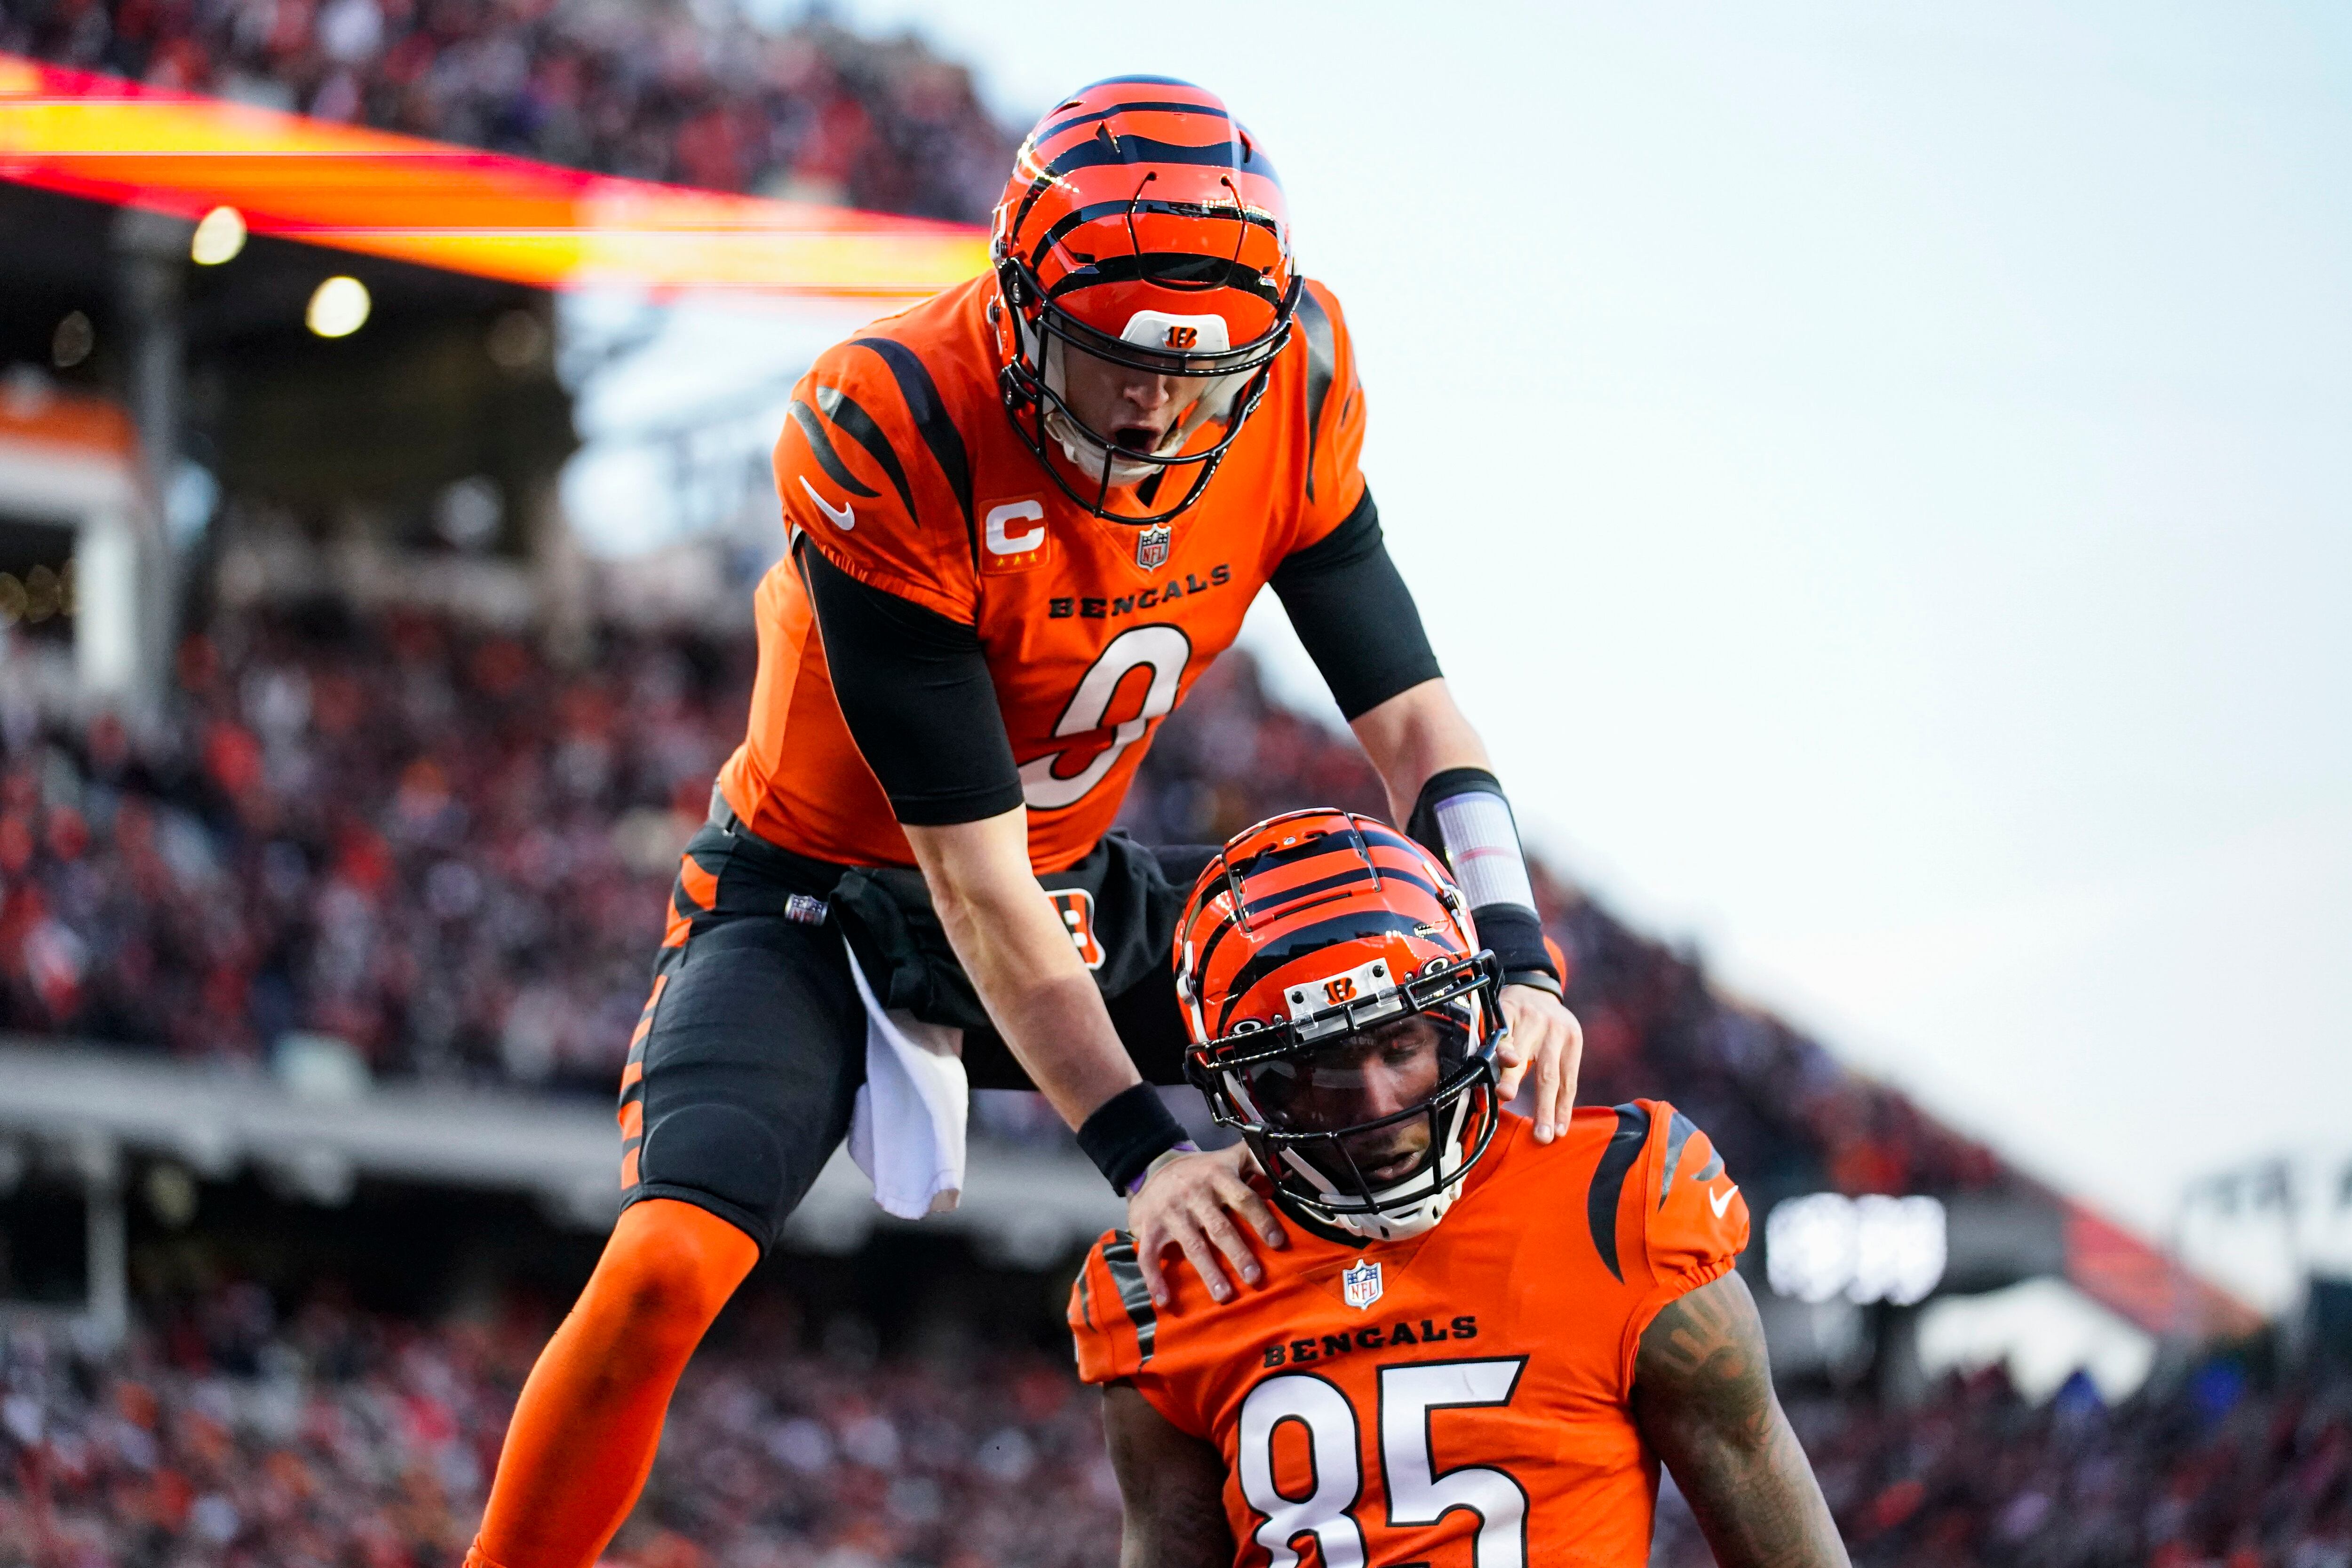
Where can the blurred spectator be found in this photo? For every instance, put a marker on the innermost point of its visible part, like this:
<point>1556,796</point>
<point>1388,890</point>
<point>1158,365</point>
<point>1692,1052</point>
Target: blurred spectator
<point>651,89</point>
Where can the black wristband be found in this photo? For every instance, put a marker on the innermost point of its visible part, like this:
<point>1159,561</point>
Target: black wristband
<point>1515,937</point>
<point>1127,1133</point>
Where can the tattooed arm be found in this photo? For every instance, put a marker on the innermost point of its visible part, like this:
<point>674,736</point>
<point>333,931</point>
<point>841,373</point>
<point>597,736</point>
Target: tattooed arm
<point>1171,1486</point>
<point>1703,1398</point>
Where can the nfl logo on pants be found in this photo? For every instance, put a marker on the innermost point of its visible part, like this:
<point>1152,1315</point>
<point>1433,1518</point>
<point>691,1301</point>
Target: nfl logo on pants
<point>1360,1285</point>
<point>1151,548</point>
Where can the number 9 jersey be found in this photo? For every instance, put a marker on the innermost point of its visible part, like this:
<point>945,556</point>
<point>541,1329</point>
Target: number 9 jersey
<point>899,465</point>
<point>1461,1399</point>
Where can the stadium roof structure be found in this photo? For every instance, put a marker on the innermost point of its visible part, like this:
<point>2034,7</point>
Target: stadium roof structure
<point>1018,1204</point>
<point>104,187</point>
<point>456,209</point>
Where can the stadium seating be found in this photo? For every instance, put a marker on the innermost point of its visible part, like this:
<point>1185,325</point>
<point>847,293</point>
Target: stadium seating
<point>2202,1472</point>
<point>421,841</point>
<point>225,1434</point>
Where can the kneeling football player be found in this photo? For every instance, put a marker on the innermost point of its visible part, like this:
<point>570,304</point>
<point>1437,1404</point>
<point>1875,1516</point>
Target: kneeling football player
<point>1478,1347</point>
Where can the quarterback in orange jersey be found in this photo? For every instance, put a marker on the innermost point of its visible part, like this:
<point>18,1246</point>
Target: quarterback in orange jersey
<point>1021,518</point>
<point>1482,1346</point>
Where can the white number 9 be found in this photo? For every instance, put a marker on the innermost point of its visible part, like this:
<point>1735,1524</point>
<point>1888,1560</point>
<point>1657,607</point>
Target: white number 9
<point>1166,650</point>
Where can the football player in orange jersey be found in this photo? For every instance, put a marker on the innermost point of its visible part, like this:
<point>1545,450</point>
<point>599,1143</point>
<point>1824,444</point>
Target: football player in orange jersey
<point>1022,517</point>
<point>1481,1347</point>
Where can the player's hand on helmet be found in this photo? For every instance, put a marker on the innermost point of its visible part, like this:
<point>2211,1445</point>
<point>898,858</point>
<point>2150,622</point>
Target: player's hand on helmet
<point>1190,1203</point>
<point>1546,1040</point>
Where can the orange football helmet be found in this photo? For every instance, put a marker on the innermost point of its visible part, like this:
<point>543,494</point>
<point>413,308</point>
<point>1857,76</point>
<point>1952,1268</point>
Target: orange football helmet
<point>1142,224</point>
<point>1343,1018</point>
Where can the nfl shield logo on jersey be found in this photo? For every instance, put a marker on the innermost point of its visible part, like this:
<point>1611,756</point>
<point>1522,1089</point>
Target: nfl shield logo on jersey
<point>1360,1285</point>
<point>1151,548</point>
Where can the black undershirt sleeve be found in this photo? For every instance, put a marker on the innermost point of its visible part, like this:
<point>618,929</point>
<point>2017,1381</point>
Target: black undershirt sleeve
<point>1355,614</point>
<point>915,689</point>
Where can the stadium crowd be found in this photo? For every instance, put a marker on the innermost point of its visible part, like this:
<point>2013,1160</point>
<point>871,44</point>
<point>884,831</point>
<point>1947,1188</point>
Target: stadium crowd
<point>658,90</point>
<point>431,844</point>
<point>425,843</point>
<point>225,1435</point>
<point>2205,1471</point>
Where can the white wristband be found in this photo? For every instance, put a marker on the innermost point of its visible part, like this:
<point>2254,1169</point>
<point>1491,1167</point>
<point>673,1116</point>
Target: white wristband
<point>1483,844</point>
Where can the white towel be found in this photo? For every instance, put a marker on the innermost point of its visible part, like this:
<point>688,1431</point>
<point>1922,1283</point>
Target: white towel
<point>906,1132</point>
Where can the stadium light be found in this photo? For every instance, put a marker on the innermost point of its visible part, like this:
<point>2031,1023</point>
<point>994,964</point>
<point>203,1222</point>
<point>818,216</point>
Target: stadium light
<point>218,237</point>
<point>338,307</point>
<point>72,341</point>
<point>1868,1249</point>
<point>456,208</point>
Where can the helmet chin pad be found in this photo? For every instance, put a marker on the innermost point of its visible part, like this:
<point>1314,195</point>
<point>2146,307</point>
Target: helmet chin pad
<point>1398,1225</point>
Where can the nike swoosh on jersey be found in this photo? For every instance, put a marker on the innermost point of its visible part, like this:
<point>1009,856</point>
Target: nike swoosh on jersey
<point>844,517</point>
<point>1720,1203</point>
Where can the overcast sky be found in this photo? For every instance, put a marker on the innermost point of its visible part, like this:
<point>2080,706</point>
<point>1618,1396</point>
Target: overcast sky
<point>1877,474</point>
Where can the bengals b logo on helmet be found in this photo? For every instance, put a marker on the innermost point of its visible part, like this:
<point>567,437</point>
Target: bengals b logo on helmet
<point>1184,337</point>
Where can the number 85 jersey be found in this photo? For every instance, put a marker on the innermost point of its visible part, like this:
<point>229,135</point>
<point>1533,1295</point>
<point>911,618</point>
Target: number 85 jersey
<point>1461,1399</point>
<point>899,463</point>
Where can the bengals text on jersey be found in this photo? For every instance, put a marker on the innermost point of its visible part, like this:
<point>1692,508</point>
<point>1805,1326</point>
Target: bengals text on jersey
<point>900,465</point>
<point>1461,1399</point>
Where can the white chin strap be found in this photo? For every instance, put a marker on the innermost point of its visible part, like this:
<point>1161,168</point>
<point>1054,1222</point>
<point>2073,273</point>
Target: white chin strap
<point>1090,455</point>
<point>1401,1225</point>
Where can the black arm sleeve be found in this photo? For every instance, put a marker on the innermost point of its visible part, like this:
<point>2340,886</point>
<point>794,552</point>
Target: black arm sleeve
<point>915,688</point>
<point>1355,614</point>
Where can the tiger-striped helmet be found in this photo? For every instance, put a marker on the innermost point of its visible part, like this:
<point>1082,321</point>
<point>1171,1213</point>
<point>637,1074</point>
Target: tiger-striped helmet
<point>1343,1018</point>
<point>1142,224</point>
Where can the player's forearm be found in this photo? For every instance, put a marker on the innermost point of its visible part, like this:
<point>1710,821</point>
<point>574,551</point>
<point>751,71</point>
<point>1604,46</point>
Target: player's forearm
<point>1703,1398</point>
<point>1415,736</point>
<point>1012,944</point>
<point>1757,1504</point>
<point>1044,1003</point>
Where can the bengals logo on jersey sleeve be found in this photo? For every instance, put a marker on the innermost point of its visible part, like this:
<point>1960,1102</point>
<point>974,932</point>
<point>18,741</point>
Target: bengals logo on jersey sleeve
<point>872,471</point>
<point>1698,1218</point>
<point>1664,1215</point>
<point>1117,1333</point>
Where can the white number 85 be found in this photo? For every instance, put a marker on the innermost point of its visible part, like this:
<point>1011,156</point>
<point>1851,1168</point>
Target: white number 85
<point>1417,1494</point>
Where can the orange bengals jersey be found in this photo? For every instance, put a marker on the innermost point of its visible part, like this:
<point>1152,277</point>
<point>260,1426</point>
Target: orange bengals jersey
<point>900,462</point>
<point>1461,1399</point>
